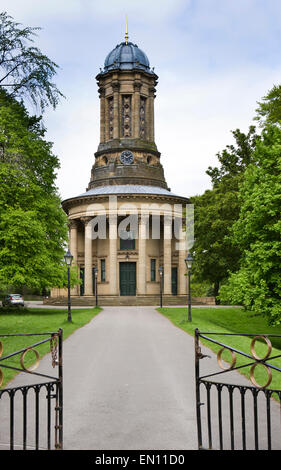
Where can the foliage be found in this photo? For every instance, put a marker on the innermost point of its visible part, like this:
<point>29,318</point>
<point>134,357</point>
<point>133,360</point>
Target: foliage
<point>33,227</point>
<point>257,284</point>
<point>216,210</point>
<point>214,253</point>
<point>24,71</point>
<point>234,159</point>
<point>200,289</point>
<point>269,109</point>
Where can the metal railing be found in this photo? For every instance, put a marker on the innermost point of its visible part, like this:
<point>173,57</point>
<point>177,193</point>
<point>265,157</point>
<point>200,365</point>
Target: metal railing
<point>232,415</point>
<point>26,411</point>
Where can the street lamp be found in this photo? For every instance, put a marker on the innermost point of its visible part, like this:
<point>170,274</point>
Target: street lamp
<point>68,261</point>
<point>96,283</point>
<point>160,270</point>
<point>188,262</point>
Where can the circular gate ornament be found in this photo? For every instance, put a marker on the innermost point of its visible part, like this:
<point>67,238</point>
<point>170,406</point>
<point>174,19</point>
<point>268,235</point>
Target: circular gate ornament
<point>32,368</point>
<point>219,359</point>
<point>252,377</point>
<point>269,348</point>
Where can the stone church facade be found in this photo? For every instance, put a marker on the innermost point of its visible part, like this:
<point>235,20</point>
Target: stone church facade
<point>128,223</point>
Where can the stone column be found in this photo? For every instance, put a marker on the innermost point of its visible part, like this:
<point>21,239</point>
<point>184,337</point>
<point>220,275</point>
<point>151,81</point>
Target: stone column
<point>151,114</point>
<point>102,114</point>
<point>181,247</point>
<point>73,246</point>
<point>167,255</point>
<point>73,226</point>
<point>113,255</point>
<point>115,86</point>
<point>136,110</point>
<point>88,262</point>
<point>182,270</point>
<point>141,281</point>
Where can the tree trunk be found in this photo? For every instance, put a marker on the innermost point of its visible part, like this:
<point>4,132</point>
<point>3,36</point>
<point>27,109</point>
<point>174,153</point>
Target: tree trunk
<point>216,291</point>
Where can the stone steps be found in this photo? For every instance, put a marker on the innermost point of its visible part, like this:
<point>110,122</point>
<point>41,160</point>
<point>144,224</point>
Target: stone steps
<point>124,300</point>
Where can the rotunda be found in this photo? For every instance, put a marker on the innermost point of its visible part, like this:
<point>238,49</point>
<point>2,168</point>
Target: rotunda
<point>126,233</point>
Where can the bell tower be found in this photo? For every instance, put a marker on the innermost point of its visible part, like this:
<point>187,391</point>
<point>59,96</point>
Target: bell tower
<point>127,260</point>
<point>127,153</point>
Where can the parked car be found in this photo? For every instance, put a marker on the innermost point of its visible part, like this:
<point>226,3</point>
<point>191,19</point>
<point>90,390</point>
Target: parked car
<point>13,300</point>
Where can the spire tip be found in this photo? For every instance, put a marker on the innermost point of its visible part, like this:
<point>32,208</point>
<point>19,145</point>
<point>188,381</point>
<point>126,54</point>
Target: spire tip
<point>126,32</point>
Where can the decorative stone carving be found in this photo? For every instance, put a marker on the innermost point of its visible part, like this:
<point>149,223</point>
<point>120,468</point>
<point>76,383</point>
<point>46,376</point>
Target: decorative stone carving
<point>110,117</point>
<point>142,117</point>
<point>72,223</point>
<point>86,220</point>
<point>126,116</point>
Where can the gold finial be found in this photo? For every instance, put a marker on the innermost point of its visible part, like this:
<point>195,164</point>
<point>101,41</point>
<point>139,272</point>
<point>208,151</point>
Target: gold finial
<point>126,32</point>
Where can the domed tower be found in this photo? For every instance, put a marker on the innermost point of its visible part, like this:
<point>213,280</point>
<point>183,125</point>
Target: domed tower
<point>127,261</point>
<point>127,151</point>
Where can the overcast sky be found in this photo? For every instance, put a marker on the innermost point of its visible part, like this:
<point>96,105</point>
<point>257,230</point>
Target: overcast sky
<point>215,59</point>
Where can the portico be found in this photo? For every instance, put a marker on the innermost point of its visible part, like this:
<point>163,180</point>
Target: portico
<point>153,243</point>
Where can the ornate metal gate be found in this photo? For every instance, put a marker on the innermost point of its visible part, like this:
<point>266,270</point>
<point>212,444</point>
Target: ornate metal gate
<point>31,415</point>
<point>231,415</point>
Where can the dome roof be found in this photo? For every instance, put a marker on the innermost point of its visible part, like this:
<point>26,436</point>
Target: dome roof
<point>126,56</point>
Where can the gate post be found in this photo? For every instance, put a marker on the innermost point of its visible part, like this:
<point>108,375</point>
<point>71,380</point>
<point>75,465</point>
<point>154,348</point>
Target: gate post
<point>197,388</point>
<point>59,405</point>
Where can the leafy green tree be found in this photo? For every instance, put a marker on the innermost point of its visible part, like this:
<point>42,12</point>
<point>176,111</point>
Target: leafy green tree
<point>234,159</point>
<point>257,284</point>
<point>33,226</point>
<point>216,210</point>
<point>214,253</point>
<point>269,109</point>
<point>25,72</point>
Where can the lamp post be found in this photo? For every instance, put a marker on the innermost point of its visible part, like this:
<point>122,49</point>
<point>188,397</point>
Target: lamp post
<point>68,261</point>
<point>188,262</point>
<point>96,283</point>
<point>160,270</point>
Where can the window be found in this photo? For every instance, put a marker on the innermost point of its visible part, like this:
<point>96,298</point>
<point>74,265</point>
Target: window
<point>102,270</point>
<point>153,269</point>
<point>127,240</point>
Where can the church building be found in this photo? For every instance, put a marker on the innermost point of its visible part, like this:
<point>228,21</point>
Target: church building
<point>125,232</point>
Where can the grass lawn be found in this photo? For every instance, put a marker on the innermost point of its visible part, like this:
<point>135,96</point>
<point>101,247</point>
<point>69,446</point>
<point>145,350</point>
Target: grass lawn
<point>34,320</point>
<point>231,320</point>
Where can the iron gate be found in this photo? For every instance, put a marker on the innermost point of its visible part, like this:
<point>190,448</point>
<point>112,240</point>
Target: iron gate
<point>232,416</point>
<point>31,415</point>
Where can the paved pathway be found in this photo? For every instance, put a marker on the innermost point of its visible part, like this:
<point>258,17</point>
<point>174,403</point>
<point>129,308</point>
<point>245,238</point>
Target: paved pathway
<point>129,384</point>
<point>133,387</point>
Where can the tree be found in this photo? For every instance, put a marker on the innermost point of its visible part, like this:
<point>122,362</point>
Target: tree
<point>257,284</point>
<point>25,72</point>
<point>234,159</point>
<point>214,253</point>
<point>33,226</point>
<point>217,209</point>
<point>269,109</point>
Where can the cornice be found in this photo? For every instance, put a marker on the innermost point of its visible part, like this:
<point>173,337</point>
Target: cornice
<point>80,200</point>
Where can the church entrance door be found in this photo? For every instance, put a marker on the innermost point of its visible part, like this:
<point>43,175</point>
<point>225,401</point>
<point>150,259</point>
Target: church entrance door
<point>127,278</point>
<point>174,281</point>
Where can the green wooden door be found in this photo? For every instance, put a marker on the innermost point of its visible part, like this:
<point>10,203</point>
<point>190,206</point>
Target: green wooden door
<point>174,281</point>
<point>127,278</point>
<point>82,277</point>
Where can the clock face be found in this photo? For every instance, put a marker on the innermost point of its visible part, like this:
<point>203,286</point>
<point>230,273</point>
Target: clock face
<point>126,157</point>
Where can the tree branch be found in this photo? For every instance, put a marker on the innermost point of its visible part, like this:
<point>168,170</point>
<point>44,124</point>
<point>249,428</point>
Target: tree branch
<point>14,68</point>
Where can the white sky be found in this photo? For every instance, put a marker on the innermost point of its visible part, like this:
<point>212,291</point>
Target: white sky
<point>215,59</point>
